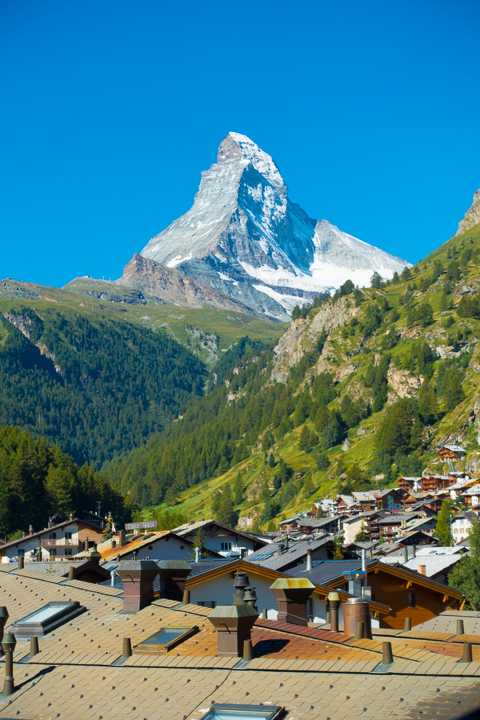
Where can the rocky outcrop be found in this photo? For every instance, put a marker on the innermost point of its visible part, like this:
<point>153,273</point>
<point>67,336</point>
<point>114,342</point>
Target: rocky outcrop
<point>302,335</point>
<point>173,286</point>
<point>23,324</point>
<point>402,384</point>
<point>472,216</point>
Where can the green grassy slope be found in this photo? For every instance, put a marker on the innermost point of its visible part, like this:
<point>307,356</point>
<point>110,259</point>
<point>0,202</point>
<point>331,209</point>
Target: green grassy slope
<point>406,321</point>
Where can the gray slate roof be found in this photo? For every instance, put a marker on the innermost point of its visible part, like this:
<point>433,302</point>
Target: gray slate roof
<point>269,557</point>
<point>326,570</point>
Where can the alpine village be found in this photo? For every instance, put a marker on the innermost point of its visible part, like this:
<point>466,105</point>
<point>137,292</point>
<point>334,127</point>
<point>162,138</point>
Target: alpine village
<point>223,496</point>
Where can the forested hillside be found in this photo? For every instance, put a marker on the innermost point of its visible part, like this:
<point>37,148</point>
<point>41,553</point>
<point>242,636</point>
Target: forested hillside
<point>96,386</point>
<point>38,480</point>
<point>362,387</point>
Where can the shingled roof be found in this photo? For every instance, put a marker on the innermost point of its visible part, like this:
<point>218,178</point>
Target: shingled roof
<point>312,672</point>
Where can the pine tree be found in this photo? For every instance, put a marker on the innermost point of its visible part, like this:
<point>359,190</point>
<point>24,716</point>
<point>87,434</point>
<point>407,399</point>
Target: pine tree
<point>238,490</point>
<point>362,535</point>
<point>108,531</point>
<point>338,552</point>
<point>271,460</point>
<point>442,530</point>
<point>226,512</point>
<point>465,576</point>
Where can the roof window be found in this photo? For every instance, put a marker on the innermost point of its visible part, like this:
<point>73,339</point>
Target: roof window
<point>165,639</point>
<point>47,618</point>
<point>247,712</point>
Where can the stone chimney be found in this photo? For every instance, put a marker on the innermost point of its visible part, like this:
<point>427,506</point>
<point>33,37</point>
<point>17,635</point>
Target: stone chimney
<point>292,595</point>
<point>422,569</point>
<point>137,577</point>
<point>233,624</point>
<point>173,575</point>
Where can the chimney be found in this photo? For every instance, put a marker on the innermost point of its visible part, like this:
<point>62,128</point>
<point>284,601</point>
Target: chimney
<point>250,597</point>
<point>94,556</point>
<point>233,624</point>
<point>137,577</point>
<point>114,543</point>
<point>292,595</point>
<point>173,575</point>
<point>239,586</point>
<point>198,554</point>
<point>422,569</point>
<point>71,517</point>
<point>356,610</point>
<point>309,560</point>
<point>334,603</point>
<point>121,539</point>
<point>30,529</point>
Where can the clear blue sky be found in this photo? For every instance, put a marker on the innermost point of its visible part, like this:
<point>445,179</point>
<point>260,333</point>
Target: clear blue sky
<point>111,109</point>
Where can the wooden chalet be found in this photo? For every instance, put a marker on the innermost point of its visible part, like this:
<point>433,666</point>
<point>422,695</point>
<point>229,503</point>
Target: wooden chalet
<point>407,593</point>
<point>426,483</point>
<point>452,452</point>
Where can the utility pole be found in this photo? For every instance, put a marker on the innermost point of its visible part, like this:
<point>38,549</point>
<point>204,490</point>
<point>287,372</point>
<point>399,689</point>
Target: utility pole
<point>99,505</point>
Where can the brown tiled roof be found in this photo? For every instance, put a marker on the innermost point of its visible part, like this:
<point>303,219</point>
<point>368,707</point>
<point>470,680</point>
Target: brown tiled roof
<point>313,672</point>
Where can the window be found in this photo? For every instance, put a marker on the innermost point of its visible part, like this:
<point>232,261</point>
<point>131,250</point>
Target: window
<point>68,551</point>
<point>226,546</point>
<point>411,600</point>
<point>47,618</point>
<point>165,639</point>
<point>248,712</point>
<point>68,536</point>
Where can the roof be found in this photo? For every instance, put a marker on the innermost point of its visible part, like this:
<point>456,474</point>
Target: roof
<point>53,528</point>
<point>467,515</point>
<point>140,542</point>
<point>326,570</point>
<point>454,448</point>
<point>348,500</point>
<point>446,622</point>
<point>363,497</point>
<point>187,528</point>
<point>312,672</point>
<point>475,490</point>
<point>435,564</point>
<point>363,516</point>
<point>271,557</point>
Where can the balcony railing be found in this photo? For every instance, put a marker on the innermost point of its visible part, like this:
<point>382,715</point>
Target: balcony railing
<point>60,543</point>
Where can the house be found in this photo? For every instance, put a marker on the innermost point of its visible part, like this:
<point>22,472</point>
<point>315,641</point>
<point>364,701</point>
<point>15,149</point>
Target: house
<point>285,554</point>
<point>434,563</point>
<point>471,497</point>
<point>324,508</point>
<point>389,499</point>
<point>407,593</point>
<point>210,584</point>
<point>353,524</point>
<point>461,524</point>
<point>366,500</point>
<point>288,524</point>
<point>418,537</point>
<point>426,524</point>
<point>56,542</point>
<point>162,545</point>
<point>94,663</point>
<point>426,483</point>
<point>347,505</point>
<point>221,538</point>
<point>452,452</point>
<point>317,525</point>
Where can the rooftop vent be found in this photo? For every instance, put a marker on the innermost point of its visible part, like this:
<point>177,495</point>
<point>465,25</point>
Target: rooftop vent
<point>356,610</point>
<point>233,624</point>
<point>292,595</point>
<point>137,577</point>
<point>173,575</point>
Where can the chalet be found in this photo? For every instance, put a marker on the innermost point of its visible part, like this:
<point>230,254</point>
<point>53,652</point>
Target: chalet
<point>426,483</point>
<point>418,537</point>
<point>471,497</point>
<point>389,499</point>
<point>210,584</point>
<point>426,524</point>
<point>353,524</point>
<point>433,565</point>
<point>407,593</point>
<point>452,452</point>
<point>163,545</point>
<point>411,498</point>
<point>56,542</point>
<point>289,524</point>
<point>317,525</point>
<point>324,507</point>
<point>221,538</point>
<point>365,500</point>
<point>461,525</point>
<point>347,505</point>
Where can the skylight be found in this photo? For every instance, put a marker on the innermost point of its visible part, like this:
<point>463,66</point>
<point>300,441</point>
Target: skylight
<point>165,639</point>
<point>247,712</point>
<point>47,618</point>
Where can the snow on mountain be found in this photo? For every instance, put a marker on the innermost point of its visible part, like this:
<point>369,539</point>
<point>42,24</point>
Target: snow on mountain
<point>246,238</point>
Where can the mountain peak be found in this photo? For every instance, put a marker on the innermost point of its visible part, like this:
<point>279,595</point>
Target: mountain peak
<point>236,147</point>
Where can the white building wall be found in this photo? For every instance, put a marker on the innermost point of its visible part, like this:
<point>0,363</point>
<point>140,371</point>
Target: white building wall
<point>28,545</point>
<point>163,550</point>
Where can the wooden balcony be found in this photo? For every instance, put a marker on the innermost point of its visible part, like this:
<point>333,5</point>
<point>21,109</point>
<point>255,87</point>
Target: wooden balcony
<point>51,543</point>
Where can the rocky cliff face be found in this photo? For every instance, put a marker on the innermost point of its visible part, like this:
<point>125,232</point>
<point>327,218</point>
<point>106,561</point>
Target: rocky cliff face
<point>472,216</point>
<point>247,239</point>
<point>172,286</point>
<point>302,335</point>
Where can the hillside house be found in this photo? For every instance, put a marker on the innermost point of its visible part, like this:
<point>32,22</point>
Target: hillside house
<point>221,538</point>
<point>365,500</point>
<point>461,525</point>
<point>452,452</point>
<point>426,483</point>
<point>56,542</point>
<point>471,497</point>
<point>162,545</point>
<point>389,499</point>
<point>347,505</point>
<point>353,524</point>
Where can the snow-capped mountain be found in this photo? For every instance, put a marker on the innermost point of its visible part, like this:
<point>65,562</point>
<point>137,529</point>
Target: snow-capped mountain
<point>247,239</point>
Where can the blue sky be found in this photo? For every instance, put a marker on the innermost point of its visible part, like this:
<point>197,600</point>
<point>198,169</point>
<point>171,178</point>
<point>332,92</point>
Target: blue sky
<point>110,111</point>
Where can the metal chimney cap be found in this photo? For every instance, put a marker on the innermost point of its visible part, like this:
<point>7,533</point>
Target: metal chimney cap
<point>333,597</point>
<point>174,565</point>
<point>356,601</point>
<point>233,611</point>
